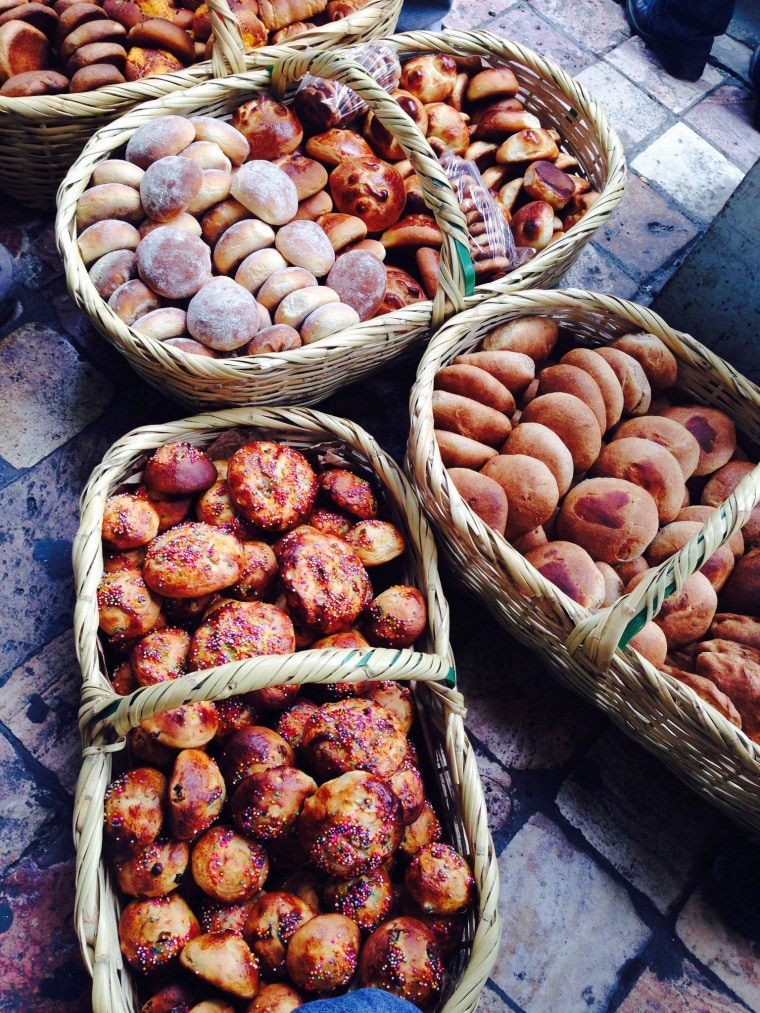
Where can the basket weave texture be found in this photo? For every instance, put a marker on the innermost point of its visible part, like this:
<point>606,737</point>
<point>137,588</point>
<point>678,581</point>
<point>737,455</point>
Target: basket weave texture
<point>106,718</point>
<point>41,137</point>
<point>311,373</point>
<point>581,649</point>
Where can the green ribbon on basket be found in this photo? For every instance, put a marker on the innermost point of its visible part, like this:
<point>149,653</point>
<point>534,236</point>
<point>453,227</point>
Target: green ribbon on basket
<point>468,268</point>
<point>639,621</point>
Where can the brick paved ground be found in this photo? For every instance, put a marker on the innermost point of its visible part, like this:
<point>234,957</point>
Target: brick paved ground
<point>603,854</point>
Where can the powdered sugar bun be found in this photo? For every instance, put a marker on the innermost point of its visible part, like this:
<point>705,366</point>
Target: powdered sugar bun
<point>223,315</point>
<point>266,191</point>
<point>359,278</point>
<point>167,135</point>
<point>175,263</point>
<point>169,187</point>
<point>304,244</point>
<point>326,320</point>
<point>240,240</point>
<point>258,267</point>
<point>230,140</point>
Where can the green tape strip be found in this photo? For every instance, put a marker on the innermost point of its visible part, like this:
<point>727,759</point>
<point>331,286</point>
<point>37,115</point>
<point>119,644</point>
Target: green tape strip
<point>467,267</point>
<point>639,621</point>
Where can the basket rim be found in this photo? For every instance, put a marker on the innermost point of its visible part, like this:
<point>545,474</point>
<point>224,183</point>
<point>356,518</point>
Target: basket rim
<point>581,638</point>
<point>378,329</point>
<point>302,426</point>
<point>91,104</point>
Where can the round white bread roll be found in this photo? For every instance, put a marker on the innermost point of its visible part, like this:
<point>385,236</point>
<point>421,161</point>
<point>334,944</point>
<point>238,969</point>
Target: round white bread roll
<point>267,191</point>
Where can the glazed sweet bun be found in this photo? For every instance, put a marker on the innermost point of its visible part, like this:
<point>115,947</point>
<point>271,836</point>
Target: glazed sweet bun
<point>573,421</point>
<point>127,606</point>
<point>155,871</point>
<point>271,128</point>
<point>129,521</point>
<point>396,617</point>
<point>251,749</point>
<point>266,805</point>
<point>532,492</point>
<point>351,824</point>
<point>369,188</point>
<point>348,492</point>
<point>269,927</point>
<point>401,289</point>
<point>179,468</point>
<point>429,77</point>
<point>614,520</point>
<point>223,315</point>
<point>223,960</point>
<point>573,571</point>
<point>154,931</point>
<point>439,880</point>
<point>160,655</point>
<point>323,952</point>
<point>350,734</point>
<point>192,559</point>
<point>173,262</point>
<point>713,430</point>
<point>271,484</point>
<point>227,866</point>
<point>649,465</point>
<point>134,810</point>
<point>233,630</point>
<point>401,957</point>
<point>325,584</point>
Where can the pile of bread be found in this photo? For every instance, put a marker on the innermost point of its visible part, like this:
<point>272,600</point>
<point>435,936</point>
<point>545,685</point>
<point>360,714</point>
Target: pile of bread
<point>275,845</point>
<point>278,228</point>
<point>79,45</point>
<point>594,468</point>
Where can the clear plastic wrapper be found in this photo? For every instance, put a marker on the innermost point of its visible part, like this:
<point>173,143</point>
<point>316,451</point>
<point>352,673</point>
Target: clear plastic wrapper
<point>322,104</point>
<point>492,245</point>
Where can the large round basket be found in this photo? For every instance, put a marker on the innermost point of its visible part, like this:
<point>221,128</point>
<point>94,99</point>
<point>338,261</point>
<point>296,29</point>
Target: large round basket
<point>587,652</point>
<point>40,137</point>
<point>107,718</point>
<point>313,372</point>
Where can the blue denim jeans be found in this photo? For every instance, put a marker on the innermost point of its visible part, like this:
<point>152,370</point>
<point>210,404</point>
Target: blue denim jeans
<point>363,1000</point>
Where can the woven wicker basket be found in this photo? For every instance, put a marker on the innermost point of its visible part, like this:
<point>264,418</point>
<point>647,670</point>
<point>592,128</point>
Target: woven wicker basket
<point>586,652</point>
<point>41,137</point>
<point>105,718</point>
<point>311,373</point>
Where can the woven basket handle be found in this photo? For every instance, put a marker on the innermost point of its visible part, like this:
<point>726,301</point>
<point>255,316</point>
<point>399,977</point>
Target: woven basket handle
<point>455,277</point>
<point>599,636</point>
<point>100,710</point>
<point>228,56</point>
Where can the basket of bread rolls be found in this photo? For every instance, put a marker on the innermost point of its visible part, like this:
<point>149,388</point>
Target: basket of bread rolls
<point>278,800</point>
<point>64,73</point>
<point>346,216</point>
<point>591,474</point>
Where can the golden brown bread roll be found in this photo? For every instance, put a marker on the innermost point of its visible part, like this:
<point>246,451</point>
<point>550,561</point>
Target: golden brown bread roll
<point>514,369</point>
<point>675,535</point>
<point>612,519</point>
<point>459,451</point>
<point>706,690</point>
<point>430,77</point>
<point>532,225</point>
<point>654,357</point>
<point>369,188</point>
<point>539,441</point>
<point>605,377</point>
<point>686,614</point>
<point>649,465</point>
<point>485,496</point>
<point>613,583</point>
<point>527,145</point>
<point>469,417</point>
<point>740,628</point>
<point>573,421</point>
<point>472,381</point>
<point>719,487</point>
<point>713,430</point>
<point>742,590</point>
<point>739,679</point>
<point>531,490</point>
<point>697,512</point>
<point>564,377</point>
<point>668,433</point>
<point>637,392</point>
<point>573,571</point>
<point>533,336</point>
<point>167,135</point>
<point>651,643</point>
<point>271,128</point>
